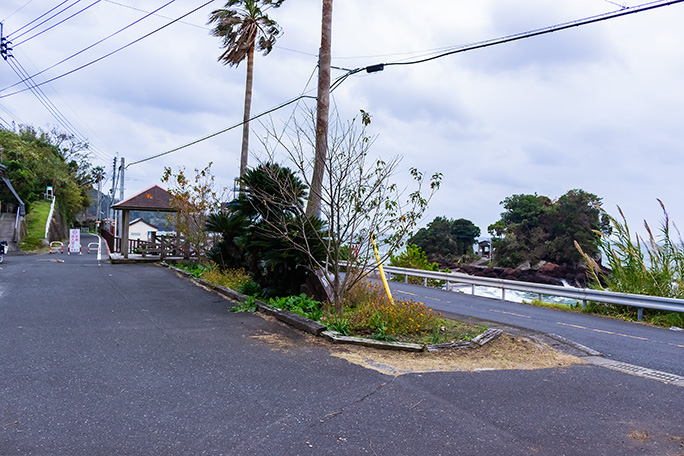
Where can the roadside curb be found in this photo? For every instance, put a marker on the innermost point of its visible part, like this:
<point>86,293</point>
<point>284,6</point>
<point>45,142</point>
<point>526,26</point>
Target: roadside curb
<point>577,346</point>
<point>639,371</point>
<point>291,318</point>
<point>318,329</point>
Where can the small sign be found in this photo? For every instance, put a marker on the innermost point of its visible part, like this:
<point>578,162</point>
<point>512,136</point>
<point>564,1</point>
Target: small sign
<point>74,241</point>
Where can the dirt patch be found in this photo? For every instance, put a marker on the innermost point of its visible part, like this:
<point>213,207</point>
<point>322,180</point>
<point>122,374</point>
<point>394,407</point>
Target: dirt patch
<point>276,341</point>
<point>639,435</point>
<point>507,352</point>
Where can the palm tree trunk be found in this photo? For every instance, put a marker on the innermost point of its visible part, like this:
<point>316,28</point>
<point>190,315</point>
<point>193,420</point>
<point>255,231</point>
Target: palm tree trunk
<point>248,105</point>
<point>322,111</point>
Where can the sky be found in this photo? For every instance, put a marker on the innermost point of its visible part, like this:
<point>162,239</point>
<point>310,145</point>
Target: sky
<point>598,107</point>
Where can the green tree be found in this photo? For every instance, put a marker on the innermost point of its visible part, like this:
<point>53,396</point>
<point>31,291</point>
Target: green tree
<point>36,159</point>
<point>413,257</point>
<point>445,240</point>
<point>244,26</point>
<point>534,228</point>
<point>194,199</point>
<point>576,217</point>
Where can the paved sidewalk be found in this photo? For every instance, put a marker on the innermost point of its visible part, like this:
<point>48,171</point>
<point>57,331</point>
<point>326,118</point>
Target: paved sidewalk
<point>133,360</point>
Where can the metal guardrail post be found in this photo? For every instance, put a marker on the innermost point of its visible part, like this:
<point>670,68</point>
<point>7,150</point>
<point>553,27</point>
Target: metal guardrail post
<point>640,313</point>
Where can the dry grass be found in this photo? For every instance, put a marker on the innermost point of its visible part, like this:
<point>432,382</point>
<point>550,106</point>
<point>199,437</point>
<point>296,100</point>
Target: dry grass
<point>505,353</point>
<point>639,435</point>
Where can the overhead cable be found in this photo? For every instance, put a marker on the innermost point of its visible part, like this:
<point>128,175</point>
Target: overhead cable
<point>113,52</point>
<point>14,38</point>
<point>280,106</point>
<point>89,47</point>
<point>17,10</point>
<point>153,12</point>
<point>39,17</point>
<point>624,11</point>
<point>480,45</point>
<point>51,107</point>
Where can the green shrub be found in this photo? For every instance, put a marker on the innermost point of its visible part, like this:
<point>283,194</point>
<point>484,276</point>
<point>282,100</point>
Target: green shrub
<point>302,305</point>
<point>249,305</point>
<point>249,288</point>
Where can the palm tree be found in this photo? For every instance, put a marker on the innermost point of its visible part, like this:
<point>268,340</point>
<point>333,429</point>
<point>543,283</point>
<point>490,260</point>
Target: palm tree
<point>98,174</point>
<point>244,27</point>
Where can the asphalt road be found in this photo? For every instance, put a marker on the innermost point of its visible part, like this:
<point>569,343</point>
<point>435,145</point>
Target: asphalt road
<point>634,343</point>
<point>100,359</point>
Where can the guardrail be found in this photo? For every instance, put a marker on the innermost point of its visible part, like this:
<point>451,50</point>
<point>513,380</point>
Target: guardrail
<point>581,294</point>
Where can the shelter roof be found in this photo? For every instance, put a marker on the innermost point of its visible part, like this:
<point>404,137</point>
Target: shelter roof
<point>154,198</point>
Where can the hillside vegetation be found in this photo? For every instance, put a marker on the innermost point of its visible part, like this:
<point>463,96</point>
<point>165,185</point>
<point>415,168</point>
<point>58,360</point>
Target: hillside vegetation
<point>36,159</point>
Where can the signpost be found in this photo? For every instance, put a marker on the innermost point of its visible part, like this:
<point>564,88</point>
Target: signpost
<point>74,241</point>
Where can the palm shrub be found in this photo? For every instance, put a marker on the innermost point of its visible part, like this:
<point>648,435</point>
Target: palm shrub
<point>258,230</point>
<point>228,252</point>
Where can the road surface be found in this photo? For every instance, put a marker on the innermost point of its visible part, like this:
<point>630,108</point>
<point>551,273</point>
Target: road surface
<point>101,359</point>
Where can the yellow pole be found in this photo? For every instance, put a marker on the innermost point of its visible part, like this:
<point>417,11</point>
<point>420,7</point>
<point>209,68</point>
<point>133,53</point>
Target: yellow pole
<point>382,272</point>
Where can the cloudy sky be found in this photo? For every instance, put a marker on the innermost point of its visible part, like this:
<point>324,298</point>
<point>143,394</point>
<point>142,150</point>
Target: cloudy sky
<point>598,107</point>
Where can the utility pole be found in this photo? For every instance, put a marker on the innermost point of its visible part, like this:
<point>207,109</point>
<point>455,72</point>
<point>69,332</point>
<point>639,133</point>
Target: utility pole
<point>322,111</point>
<point>121,196</point>
<point>99,192</point>
<point>5,49</point>
<point>111,196</point>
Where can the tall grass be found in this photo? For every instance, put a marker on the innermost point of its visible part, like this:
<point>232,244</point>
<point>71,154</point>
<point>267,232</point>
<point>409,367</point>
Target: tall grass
<point>36,220</point>
<point>650,266</point>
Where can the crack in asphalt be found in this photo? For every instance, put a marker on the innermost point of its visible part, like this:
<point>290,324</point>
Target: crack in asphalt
<point>331,415</point>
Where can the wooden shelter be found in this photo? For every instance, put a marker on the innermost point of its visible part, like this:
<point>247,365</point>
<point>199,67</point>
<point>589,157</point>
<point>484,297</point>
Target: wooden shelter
<point>152,199</point>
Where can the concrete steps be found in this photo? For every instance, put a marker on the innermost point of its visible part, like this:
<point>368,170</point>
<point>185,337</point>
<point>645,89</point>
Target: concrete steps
<point>7,228</point>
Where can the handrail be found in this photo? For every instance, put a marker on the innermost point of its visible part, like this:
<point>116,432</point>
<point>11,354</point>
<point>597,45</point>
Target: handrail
<point>581,294</point>
<point>17,227</point>
<point>49,219</point>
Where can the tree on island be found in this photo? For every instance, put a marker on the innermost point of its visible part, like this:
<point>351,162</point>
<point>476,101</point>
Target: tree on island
<point>535,228</point>
<point>445,240</point>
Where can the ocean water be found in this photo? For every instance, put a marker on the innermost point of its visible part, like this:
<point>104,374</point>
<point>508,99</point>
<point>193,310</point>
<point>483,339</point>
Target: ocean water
<point>511,295</point>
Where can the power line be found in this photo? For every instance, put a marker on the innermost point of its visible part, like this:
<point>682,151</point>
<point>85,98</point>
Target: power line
<point>113,52</point>
<point>17,10</point>
<point>50,106</point>
<point>58,23</point>
<point>158,15</point>
<point>90,47</point>
<point>5,122</point>
<point>103,154</point>
<point>43,15</point>
<point>45,21</point>
<point>280,106</point>
<point>537,32</point>
<point>480,45</point>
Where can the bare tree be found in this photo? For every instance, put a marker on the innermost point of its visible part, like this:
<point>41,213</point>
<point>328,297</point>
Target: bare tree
<point>358,200</point>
